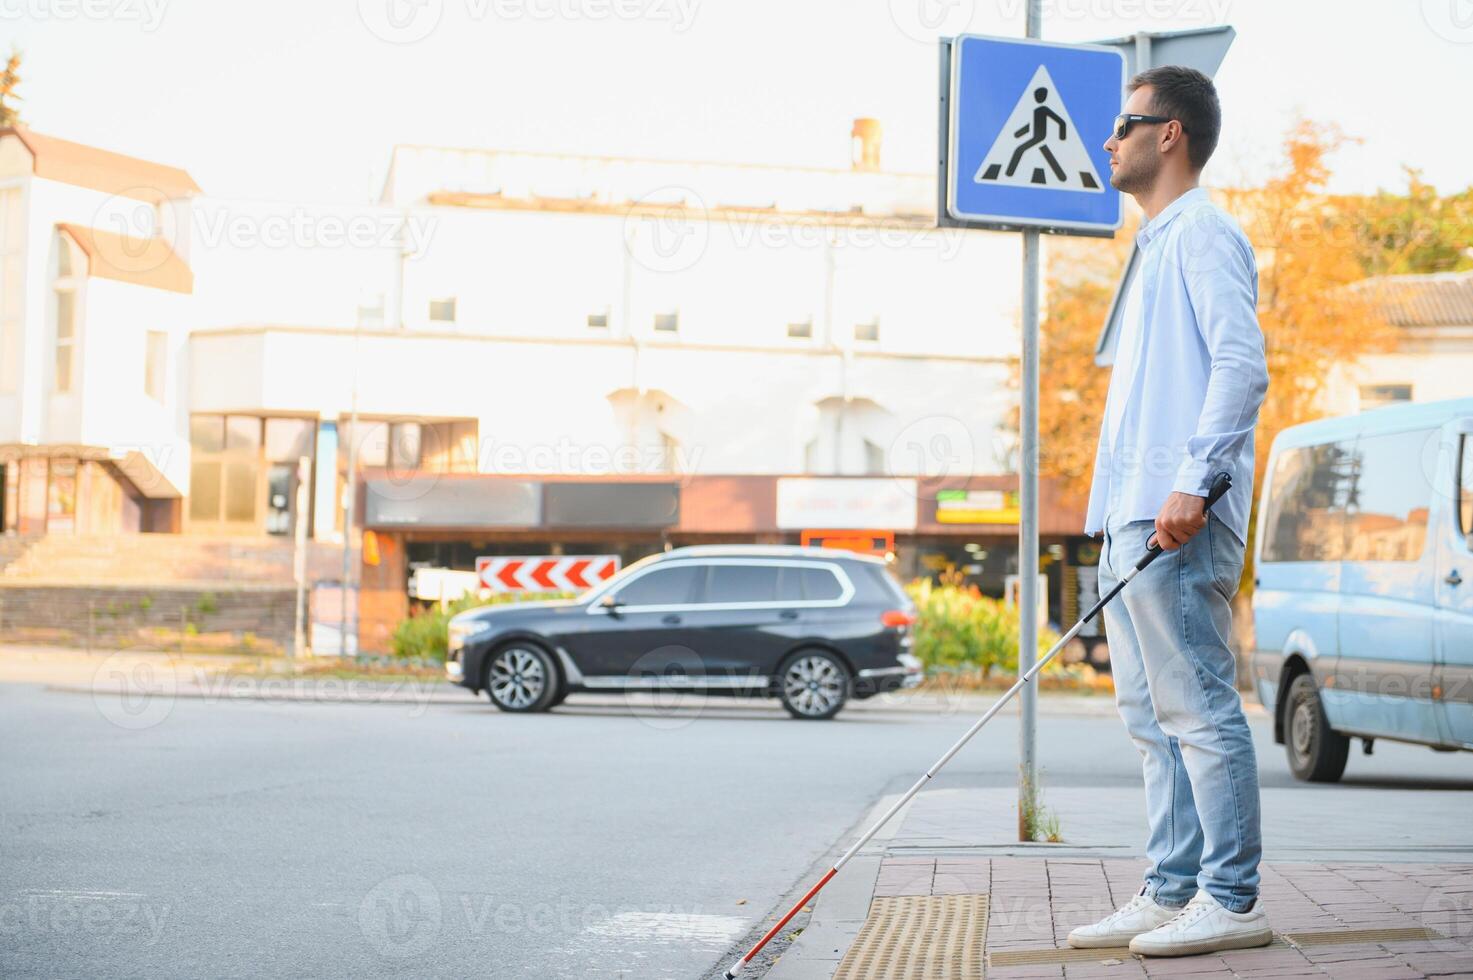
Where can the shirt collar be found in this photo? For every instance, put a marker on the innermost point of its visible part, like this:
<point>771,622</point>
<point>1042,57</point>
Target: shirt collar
<point>1156,226</point>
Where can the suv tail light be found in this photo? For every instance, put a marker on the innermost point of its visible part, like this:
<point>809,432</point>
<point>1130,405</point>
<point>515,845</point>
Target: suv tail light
<point>897,617</point>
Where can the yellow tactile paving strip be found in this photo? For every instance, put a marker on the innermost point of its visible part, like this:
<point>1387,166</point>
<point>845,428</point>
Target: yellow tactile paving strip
<point>919,937</point>
<point>1331,936</point>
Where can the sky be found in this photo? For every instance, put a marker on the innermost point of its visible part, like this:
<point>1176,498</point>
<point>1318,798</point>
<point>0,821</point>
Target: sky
<point>302,100</point>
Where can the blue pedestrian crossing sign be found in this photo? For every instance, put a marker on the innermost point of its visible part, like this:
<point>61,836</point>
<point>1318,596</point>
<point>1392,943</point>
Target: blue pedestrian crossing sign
<point>1027,122</point>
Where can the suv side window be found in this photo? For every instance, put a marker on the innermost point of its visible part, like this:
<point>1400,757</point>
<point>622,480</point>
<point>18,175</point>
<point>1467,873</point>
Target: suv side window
<point>819,584</point>
<point>742,583</point>
<point>1465,488</point>
<point>675,585</point>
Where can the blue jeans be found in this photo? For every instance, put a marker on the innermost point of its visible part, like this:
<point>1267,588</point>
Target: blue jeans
<point>1168,633</point>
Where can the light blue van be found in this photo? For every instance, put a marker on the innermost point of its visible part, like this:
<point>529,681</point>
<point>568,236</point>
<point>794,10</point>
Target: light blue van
<point>1363,600</point>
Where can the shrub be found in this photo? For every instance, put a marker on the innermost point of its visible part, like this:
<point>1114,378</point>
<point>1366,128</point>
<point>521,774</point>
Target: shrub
<point>425,634</point>
<point>958,628</point>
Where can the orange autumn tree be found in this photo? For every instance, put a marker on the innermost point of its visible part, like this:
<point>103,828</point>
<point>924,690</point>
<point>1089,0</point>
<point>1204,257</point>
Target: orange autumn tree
<point>1311,321</point>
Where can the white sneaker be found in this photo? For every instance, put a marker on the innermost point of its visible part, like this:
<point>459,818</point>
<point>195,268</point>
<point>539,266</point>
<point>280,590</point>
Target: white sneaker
<point>1204,926</point>
<point>1140,914</point>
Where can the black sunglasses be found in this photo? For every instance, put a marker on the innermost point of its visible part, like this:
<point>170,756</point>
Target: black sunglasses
<point>1126,120</point>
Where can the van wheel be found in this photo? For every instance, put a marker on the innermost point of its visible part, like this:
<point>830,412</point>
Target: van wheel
<point>1317,753</point>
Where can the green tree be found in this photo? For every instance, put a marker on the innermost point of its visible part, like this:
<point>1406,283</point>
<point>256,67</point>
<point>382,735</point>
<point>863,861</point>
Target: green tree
<point>1416,232</point>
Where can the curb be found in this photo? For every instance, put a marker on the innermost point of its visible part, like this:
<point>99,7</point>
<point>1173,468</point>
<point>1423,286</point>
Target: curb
<point>841,909</point>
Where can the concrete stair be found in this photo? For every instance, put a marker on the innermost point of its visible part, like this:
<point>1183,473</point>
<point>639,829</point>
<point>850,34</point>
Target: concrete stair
<point>160,559</point>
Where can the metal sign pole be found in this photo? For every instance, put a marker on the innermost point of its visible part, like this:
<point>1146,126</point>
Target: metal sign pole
<point>1028,505</point>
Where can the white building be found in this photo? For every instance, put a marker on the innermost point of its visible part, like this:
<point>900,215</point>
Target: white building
<point>93,329</point>
<point>705,344</point>
<point>1432,356</point>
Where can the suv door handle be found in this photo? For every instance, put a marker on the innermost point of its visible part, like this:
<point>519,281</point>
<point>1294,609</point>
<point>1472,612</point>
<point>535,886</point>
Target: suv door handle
<point>789,614</point>
<point>671,620</point>
<point>1453,578</point>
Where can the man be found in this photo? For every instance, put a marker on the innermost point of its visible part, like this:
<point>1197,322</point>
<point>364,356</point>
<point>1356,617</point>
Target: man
<point>1189,377</point>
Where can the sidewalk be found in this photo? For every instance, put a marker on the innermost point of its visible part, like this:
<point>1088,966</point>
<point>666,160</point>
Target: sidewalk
<point>227,677</point>
<point>936,899</point>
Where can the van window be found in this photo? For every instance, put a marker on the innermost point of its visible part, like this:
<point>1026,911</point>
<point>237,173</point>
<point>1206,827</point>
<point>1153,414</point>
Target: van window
<point>1390,494</point>
<point>1465,488</point>
<point>1305,515</point>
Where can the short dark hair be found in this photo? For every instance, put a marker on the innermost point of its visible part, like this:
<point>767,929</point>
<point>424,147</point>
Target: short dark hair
<point>1189,97</point>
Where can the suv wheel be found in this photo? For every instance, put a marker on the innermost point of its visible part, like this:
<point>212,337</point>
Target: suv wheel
<point>814,685</point>
<point>521,677</point>
<point>1317,753</point>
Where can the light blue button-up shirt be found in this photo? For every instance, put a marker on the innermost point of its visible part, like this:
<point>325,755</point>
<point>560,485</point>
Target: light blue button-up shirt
<point>1183,401</point>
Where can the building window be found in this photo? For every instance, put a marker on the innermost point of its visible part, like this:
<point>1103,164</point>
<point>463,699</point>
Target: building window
<point>442,310</point>
<point>65,288</point>
<point>1374,396</point>
<point>801,330</point>
<point>242,472</point>
<point>12,274</point>
<point>667,322</point>
<point>155,362</point>
<point>868,331</point>
<point>599,320</point>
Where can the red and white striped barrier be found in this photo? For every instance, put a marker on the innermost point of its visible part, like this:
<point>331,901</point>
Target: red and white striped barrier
<point>545,573</point>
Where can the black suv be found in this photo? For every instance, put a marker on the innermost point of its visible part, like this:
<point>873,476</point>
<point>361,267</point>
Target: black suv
<point>812,626</point>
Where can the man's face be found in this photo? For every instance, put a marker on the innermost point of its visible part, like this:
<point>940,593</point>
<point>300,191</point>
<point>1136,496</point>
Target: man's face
<point>1135,161</point>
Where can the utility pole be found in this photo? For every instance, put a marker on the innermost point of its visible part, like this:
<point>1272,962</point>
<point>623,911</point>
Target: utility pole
<point>350,498</point>
<point>299,559</point>
<point>1028,518</point>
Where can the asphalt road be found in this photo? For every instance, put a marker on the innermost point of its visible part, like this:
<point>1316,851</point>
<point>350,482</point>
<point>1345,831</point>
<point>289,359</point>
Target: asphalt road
<point>254,838</point>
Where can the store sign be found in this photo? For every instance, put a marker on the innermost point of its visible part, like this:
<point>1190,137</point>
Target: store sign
<point>544,573</point>
<point>977,507</point>
<point>884,503</point>
<point>879,543</point>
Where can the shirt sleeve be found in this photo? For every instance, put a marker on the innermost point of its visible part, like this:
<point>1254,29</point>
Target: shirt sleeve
<point>1222,287</point>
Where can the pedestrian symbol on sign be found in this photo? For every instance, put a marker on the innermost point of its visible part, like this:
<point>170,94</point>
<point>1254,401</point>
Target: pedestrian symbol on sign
<point>1039,145</point>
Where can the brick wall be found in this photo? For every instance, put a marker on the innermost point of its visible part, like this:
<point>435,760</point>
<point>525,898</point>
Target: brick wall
<point>185,619</point>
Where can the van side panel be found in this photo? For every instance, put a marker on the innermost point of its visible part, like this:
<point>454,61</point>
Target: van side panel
<point>1453,580</point>
<point>1295,612</point>
<point>1383,680</point>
